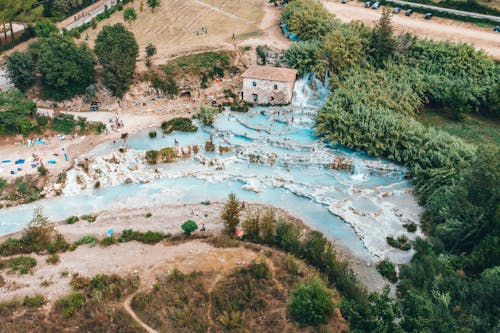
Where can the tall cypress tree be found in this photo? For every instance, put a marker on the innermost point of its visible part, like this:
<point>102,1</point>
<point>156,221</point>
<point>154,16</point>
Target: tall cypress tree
<point>383,41</point>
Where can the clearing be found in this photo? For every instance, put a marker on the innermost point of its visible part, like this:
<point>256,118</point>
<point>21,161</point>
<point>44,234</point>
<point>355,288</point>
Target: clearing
<point>436,28</point>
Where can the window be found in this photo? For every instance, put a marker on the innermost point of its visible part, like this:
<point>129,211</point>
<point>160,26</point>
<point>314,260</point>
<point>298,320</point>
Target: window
<point>255,97</point>
<point>254,84</point>
<point>275,87</point>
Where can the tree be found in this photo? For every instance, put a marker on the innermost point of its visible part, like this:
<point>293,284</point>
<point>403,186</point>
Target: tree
<point>383,41</point>
<point>251,225</point>
<point>129,15</point>
<point>19,11</point>
<point>268,227</point>
<point>311,303</point>
<point>308,19</point>
<point>20,69</point>
<point>117,50</point>
<point>65,68</point>
<point>342,50</point>
<point>231,214</point>
<point>153,4</point>
<point>188,227</point>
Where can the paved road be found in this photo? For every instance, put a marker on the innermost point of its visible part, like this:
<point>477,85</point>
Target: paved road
<point>90,12</point>
<point>447,10</point>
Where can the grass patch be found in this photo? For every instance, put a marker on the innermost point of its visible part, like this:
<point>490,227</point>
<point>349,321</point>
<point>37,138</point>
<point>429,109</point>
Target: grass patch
<point>72,220</point>
<point>402,242</point>
<point>177,303</point>
<point>52,259</point>
<point>22,264</point>
<point>34,301</point>
<point>473,129</point>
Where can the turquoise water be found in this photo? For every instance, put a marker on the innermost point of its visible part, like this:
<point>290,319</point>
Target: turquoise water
<point>275,158</point>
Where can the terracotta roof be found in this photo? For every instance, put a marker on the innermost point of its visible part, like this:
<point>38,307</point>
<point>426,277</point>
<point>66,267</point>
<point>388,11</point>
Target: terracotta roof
<point>271,73</point>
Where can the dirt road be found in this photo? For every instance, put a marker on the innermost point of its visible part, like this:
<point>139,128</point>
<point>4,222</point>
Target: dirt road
<point>437,28</point>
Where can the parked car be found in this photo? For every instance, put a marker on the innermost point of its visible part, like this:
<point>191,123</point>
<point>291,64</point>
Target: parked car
<point>396,10</point>
<point>344,1</point>
<point>376,5</point>
<point>428,16</point>
<point>497,28</point>
<point>368,4</point>
<point>409,12</point>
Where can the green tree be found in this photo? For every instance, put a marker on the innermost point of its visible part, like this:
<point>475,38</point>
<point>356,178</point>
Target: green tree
<point>117,50</point>
<point>311,303</point>
<point>251,225</point>
<point>20,69</point>
<point>153,4</point>
<point>231,215</point>
<point>308,19</point>
<point>19,11</point>
<point>342,50</point>
<point>129,15</point>
<point>188,227</point>
<point>383,41</point>
<point>268,226</point>
<point>65,68</point>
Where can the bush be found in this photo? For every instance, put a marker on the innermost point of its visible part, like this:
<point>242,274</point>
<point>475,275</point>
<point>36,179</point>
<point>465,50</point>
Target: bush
<point>152,134</point>
<point>310,303</point>
<point>260,271</point>
<point>107,241</point>
<point>268,227</point>
<point>401,242</point>
<point>52,259</point>
<point>178,124</point>
<point>387,270</point>
<point>90,240</point>
<point>150,237</point>
<point>411,227</point>
<point>188,227</point>
<point>70,304</point>
<point>89,218</point>
<point>23,264</point>
<point>34,301</point>
<point>42,170</point>
<point>288,237</point>
<point>251,226</point>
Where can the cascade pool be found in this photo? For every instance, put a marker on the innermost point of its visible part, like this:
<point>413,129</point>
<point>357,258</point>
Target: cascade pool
<point>274,158</point>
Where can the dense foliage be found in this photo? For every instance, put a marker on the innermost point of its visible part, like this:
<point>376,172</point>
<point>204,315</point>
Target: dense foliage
<point>117,50</point>
<point>65,68</point>
<point>16,112</point>
<point>311,303</point>
<point>308,19</point>
<point>20,69</point>
<point>451,284</point>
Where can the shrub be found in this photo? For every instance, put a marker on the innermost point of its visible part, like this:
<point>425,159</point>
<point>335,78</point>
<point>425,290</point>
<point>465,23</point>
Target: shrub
<point>387,270</point>
<point>42,170</point>
<point>152,134</point>
<point>411,227</point>
<point>148,215</point>
<point>23,264</point>
<point>91,240</point>
<point>107,241</point>
<point>401,242</point>
<point>260,271</point>
<point>70,304</point>
<point>34,301</point>
<point>188,227</point>
<point>150,237</point>
<point>89,218</point>
<point>52,259</point>
<point>178,124</point>
<point>310,303</point>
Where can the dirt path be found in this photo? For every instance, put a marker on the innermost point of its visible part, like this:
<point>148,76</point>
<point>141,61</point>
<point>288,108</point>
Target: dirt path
<point>132,314</point>
<point>436,28</point>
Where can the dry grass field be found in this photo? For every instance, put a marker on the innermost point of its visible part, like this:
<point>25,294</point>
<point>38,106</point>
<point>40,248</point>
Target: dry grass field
<point>172,26</point>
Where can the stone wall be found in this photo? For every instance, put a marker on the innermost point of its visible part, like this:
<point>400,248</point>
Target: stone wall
<point>268,92</point>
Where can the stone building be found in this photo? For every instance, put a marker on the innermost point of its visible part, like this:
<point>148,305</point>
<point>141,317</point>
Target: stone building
<point>268,85</point>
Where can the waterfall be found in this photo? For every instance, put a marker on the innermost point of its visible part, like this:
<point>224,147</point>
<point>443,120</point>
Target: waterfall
<point>360,171</point>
